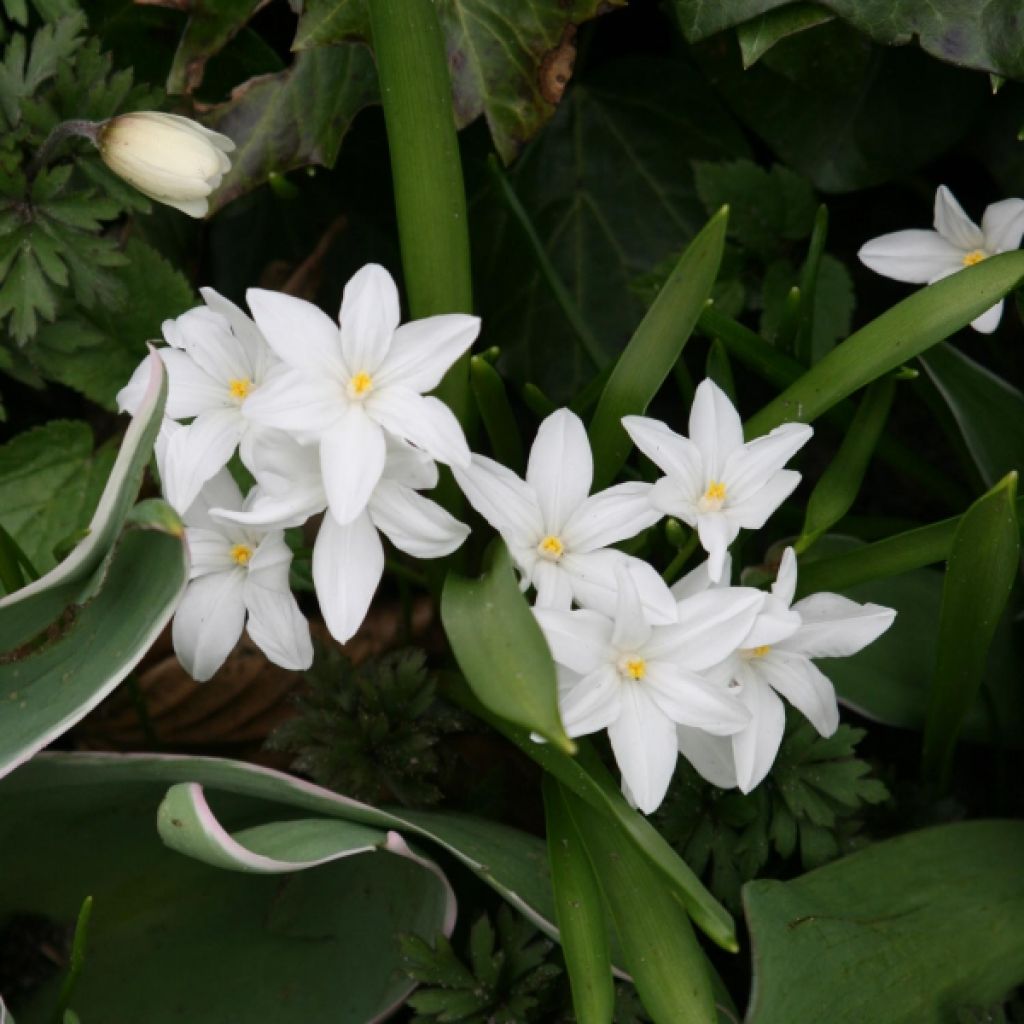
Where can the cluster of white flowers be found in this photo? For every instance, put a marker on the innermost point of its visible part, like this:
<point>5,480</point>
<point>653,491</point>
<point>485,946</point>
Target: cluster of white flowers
<point>336,420</point>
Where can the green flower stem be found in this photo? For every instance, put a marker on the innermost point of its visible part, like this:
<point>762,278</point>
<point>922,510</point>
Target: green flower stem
<point>565,302</point>
<point>66,129</point>
<point>430,199</point>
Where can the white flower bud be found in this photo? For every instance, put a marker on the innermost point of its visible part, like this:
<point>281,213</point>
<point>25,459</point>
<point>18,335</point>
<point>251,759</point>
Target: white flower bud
<point>171,159</point>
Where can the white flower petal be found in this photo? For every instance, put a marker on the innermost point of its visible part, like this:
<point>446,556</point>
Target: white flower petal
<point>352,454</point>
<point>190,389</point>
<point>209,551</point>
<point>130,397</point>
<point>369,316</point>
<point>632,630</point>
<point>753,465</point>
<point>675,455</point>
<point>755,747</point>
<point>775,623</point>
<point>689,700</point>
<point>1003,225</point>
<point>244,329</point>
<point>716,532</point>
<point>835,627</point>
<point>348,562</point>
<point>219,492</point>
<point>197,452</point>
<point>697,580</point>
<point>414,524</point>
<point>209,622</point>
<point>276,625</point>
<point>503,499</point>
<point>989,320</point>
<point>300,334</point>
<point>754,511</point>
<point>280,464</point>
<point>804,685</point>
<point>914,256</point>
<point>206,338</point>
<point>560,468</point>
<point>594,584</point>
<point>579,640</point>
<point>711,756</point>
<point>296,402</point>
<point>710,626</point>
<point>553,585</point>
<point>671,500</point>
<point>953,224</point>
<point>593,703</point>
<point>422,420</point>
<point>610,516</point>
<point>644,742</point>
<point>715,428</point>
<point>280,512</point>
<point>423,351</point>
<point>784,587</point>
<point>408,465</point>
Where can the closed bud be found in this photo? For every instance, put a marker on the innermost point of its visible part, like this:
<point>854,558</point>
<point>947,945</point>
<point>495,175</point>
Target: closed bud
<point>171,159</point>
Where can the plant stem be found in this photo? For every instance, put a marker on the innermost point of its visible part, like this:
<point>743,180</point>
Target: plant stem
<point>66,129</point>
<point>430,200</point>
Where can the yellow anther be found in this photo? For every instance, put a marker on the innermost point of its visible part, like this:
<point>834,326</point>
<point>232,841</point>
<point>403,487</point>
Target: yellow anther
<point>360,383</point>
<point>713,498</point>
<point>975,257</point>
<point>241,553</point>
<point>760,652</point>
<point>240,387</point>
<point>635,668</point>
<point>551,548</point>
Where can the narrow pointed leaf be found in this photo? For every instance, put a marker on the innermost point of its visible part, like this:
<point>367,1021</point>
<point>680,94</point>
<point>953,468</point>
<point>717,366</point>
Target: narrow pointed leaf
<point>659,947</point>
<point>579,910</point>
<point>495,412</point>
<point>982,567</point>
<point>897,336</point>
<point>655,346</point>
<point>501,650</point>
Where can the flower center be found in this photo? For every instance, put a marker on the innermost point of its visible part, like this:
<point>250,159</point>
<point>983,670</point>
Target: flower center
<point>973,258</point>
<point>360,384</point>
<point>756,652</point>
<point>551,548</point>
<point>241,553</point>
<point>713,498</point>
<point>633,667</point>
<point>240,387</point>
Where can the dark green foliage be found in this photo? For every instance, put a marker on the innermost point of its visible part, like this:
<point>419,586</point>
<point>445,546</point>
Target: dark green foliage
<point>810,804</point>
<point>503,978</point>
<point>371,730</point>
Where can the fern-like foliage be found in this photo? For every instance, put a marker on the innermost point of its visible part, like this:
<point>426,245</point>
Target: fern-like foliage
<point>811,803</point>
<point>370,730</point>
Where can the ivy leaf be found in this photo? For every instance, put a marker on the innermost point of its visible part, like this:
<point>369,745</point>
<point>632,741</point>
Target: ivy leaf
<point>294,117</point>
<point>510,60</point>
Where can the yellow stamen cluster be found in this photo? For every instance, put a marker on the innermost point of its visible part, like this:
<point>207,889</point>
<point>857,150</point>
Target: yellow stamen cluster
<point>360,384</point>
<point>551,548</point>
<point>974,258</point>
<point>713,498</point>
<point>760,652</point>
<point>240,387</point>
<point>241,553</point>
<point>635,668</point>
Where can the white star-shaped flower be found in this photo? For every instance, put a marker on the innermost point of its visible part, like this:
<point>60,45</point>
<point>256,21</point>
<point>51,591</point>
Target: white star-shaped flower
<point>640,681</point>
<point>924,257</point>
<point>713,481</point>
<point>351,387</point>
<point>239,578</point>
<point>559,536</point>
<point>216,361</point>
<point>776,658</point>
<point>348,558</point>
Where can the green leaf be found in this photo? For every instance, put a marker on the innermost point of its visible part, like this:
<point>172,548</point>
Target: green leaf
<point>897,336</point>
<point>510,59</point>
<point>988,410</point>
<point>160,915</point>
<point>982,567</point>
<point>654,348</point>
<point>760,34</point>
<point>608,186</point>
<point>658,944</point>
<point>579,910</point>
<point>293,118</point>
<point>943,28</point>
<point>501,650</point>
<point>496,414</point>
<point>211,24</point>
<point>859,936</point>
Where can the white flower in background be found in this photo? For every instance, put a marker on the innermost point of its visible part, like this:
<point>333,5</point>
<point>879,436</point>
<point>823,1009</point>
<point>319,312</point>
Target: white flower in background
<point>639,680</point>
<point>924,257</point>
<point>239,578</point>
<point>351,387</point>
<point>348,559</point>
<point>558,536</point>
<point>776,659</point>
<point>216,361</point>
<point>171,159</point>
<point>713,481</point>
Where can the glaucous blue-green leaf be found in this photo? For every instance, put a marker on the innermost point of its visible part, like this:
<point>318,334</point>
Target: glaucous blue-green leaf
<point>907,931</point>
<point>501,650</point>
<point>173,938</point>
<point>988,410</point>
<point>984,561</point>
<point>510,60</point>
<point>947,29</point>
<point>609,189</point>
